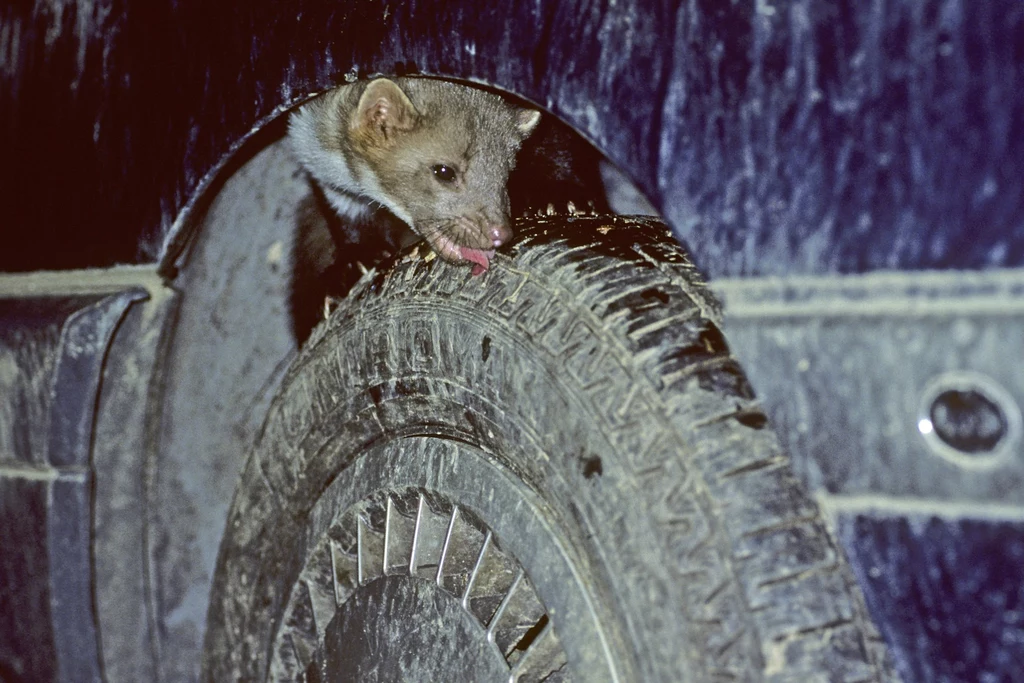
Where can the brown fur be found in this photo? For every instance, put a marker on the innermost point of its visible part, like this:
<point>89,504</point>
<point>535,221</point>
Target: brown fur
<point>393,136</point>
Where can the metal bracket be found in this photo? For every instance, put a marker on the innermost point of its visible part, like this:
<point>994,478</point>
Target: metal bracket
<point>899,391</point>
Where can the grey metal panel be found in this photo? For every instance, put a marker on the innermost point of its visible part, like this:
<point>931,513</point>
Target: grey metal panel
<point>85,337</point>
<point>231,343</point>
<point>846,367</point>
<point>56,331</point>
<point>124,459</point>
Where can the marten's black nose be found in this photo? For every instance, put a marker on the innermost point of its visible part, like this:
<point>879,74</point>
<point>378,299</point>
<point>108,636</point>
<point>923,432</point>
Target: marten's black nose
<point>499,234</point>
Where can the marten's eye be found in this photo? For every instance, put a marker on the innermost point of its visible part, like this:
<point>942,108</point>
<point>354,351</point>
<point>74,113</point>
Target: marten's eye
<point>444,173</point>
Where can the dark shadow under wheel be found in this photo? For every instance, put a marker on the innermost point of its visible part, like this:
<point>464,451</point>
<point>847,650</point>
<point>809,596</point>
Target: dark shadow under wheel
<point>555,471</point>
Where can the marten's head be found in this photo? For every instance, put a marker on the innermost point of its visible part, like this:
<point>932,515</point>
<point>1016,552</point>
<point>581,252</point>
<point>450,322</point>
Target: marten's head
<point>438,155</point>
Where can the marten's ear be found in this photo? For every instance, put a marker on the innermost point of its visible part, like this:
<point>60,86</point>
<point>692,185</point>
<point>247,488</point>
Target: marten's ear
<point>383,110</point>
<point>526,121</point>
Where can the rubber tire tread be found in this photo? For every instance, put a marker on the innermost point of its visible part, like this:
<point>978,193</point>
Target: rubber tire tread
<point>759,587</point>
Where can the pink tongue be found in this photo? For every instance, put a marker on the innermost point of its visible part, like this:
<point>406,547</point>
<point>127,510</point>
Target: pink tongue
<point>479,258</point>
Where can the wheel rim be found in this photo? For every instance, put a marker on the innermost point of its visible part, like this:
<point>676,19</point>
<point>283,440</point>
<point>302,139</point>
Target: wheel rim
<point>412,575</point>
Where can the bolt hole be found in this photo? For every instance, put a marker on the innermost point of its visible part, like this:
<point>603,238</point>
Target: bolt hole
<point>968,421</point>
<point>969,418</point>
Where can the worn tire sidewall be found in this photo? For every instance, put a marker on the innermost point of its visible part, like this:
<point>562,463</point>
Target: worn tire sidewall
<point>398,368</point>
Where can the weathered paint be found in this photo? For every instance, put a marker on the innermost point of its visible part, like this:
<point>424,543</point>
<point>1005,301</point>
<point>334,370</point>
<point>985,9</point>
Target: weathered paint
<point>807,136</point>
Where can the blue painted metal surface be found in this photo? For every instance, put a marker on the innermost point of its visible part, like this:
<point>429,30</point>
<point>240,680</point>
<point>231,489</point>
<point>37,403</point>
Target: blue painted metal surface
<point>946,594</point>
<point>808,136</point>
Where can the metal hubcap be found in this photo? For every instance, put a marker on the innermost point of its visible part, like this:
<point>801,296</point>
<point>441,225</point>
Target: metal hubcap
<point>411,587</point>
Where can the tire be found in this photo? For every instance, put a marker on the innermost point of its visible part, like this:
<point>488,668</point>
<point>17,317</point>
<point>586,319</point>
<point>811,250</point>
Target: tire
<point>570,440</point>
